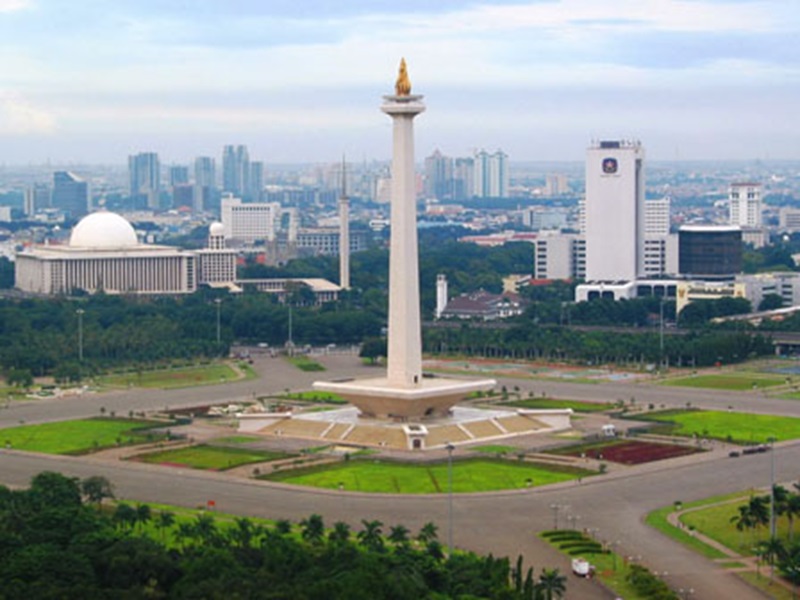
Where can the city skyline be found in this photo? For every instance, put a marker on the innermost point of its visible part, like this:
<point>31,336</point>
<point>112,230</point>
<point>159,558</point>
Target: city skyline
<point>693,79</point>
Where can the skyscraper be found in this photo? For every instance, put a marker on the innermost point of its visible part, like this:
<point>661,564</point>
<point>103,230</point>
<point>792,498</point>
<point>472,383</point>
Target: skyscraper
<point>439,176</point>
<point>491,174</point>
<point>235,170</point>
<point>615,211</point>
<point>205,183</point>
<point>144,171</point>
<point>70,194</point>
<point>37,197</point>
<point>744,201</point>
<point>255,182</point>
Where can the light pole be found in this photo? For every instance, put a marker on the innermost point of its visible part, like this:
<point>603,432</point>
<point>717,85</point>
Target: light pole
<point>80,312</point>
<point>218,302</point>
<point>661,335</point>
<point>555,508</point>
<point>771,441</point>
<point>450,449</point>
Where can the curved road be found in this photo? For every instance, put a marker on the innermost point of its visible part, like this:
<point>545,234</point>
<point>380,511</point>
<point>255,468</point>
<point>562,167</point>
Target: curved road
<point>502,523</point>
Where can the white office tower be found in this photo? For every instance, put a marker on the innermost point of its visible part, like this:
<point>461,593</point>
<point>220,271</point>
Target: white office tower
<point>344,234</point>
<point>615,211</point>
<point>491,174</point>
<point>441,294</point>
<point>656,217</point>
<point>744,201</point>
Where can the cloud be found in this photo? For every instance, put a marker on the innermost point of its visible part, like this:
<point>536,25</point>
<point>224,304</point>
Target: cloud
<point>13,5</point>
<point>18,116</point>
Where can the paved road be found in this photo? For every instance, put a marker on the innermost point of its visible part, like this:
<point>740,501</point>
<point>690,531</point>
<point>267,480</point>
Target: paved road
<point>502,523</point>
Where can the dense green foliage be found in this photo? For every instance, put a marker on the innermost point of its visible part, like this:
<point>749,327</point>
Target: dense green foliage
<point>53,545</point>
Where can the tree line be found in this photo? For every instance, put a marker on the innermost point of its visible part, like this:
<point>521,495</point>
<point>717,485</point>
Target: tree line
<point>58,540</point>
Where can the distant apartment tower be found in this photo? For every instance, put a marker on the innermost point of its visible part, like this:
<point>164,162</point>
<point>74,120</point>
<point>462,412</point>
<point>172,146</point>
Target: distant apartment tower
<point>70,194</point>
<point>178,175</point>
<point>205,183</point>
<point>556,184</point>
<point>250,222</point>
<point>439,176</point>
<point>615,211</point>
<point>744,202</point>
<point>236,171</point>
<point>463,178</point>
<point>144,172</point>
<point>490,173</point>
<point>255,182</point>
<point>37,197</point>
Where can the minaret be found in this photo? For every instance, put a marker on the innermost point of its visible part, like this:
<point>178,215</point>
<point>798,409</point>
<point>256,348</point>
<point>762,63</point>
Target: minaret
<point>344,233</point>
<point>404,361</point>
<point>441,294</point>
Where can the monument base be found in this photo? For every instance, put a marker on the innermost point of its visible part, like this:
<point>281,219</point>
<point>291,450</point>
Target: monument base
<point>431,398</point>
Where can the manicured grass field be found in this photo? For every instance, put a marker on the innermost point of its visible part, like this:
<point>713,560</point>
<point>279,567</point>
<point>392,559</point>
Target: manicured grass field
<point>728,381</point>
<point>496,449</point>
<point>175,378</point>
<point>738,427</point>
<point>76,437</point>
<point>305,364</point>
<point>209,457</point>
<point>576,405</point>
<point>237,439</point>
<point>326,397</point>
<point>475,475</point>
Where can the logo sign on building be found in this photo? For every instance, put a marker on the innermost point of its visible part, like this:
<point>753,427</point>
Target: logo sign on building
<point>610,166</point>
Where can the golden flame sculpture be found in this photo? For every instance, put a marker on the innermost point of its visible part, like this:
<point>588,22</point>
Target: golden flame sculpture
<point>403,85</point>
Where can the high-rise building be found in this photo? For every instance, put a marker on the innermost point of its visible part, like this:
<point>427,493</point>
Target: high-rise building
<point>439,176</point>
<point>615,211</point>
<point>205,183</point>
<point>178,174</point>
<point>37,197</point>
<point>744,201</point>
<point>70,194</point>
<point>144,171</point>
<point>255,182</point>
<point>556,184</point>
<point>463,178</point>
<point>235,170</point>
<point>710,252</point>
<point>656,217</point>
<point>491,174</point>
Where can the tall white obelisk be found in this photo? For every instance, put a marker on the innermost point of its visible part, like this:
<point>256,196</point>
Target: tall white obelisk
<point>404,360</point>
<point>403,395</point>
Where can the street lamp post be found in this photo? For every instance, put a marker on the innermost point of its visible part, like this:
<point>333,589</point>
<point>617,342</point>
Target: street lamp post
<point>450,449</point>
<point>555,508</point>
<point>771,441</point>
<point>80,312</point>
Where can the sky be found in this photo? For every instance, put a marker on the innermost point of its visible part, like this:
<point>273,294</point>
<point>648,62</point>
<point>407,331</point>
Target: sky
<point>302,80</point>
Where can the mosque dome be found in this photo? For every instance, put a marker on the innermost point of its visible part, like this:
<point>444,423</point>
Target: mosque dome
<point>103,230</point>
<point>216,228</point>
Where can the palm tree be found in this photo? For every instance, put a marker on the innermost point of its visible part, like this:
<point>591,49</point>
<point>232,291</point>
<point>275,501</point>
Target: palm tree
<point>552,584</point>
<point>428,533</point>
<point>371,536</point>
<point>792,511</point>
<point>205,528</point>
<point>398,535</point>
<point>166,519</point>
<point>340,533</point>
<point>242,535</point>
<point>771,550</point>
<point>283,526</point>
<point>143,514</point>
<point>313,529</point>
<point>743,520</point>
<point>125,516</point>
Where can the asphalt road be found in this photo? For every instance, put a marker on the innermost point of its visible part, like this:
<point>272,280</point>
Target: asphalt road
<point>501,523</point>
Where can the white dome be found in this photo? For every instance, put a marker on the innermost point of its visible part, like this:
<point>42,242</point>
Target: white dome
<point>216,228</point>
<point>103,229</point>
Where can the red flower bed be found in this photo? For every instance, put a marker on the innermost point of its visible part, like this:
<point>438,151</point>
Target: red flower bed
<point>635,453</point>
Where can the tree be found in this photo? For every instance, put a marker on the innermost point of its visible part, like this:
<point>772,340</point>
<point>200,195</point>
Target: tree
<point>398,535</point>
<point>551,584</point>
<point>125,516</point>
<point>770,302</point>
<point>373,348</point>
<point>371,536</point>
<point>166,519</point>
<point>22,378</point>
<point>143,514</point>
<point>771,550</point>
<point>96,488</point>
<point>428,533</point>
<point>313,529</point>
<point>340,534</point>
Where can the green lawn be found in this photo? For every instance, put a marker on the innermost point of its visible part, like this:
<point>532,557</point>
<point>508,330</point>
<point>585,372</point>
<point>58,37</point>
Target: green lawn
<point>728,381</point>
<point>312,396</point>
<point>76,437</point>
<point>210,457</point>
<point>304,363</point>
<point>576,405</point>
<point>175,378</point>
<point>475,475</point>
<point>737,427</point>
<point>237,439</point>
<point>496,449</point>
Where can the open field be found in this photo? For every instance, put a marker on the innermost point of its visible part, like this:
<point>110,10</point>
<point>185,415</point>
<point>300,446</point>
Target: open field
<point>209,457</point>
<point>474,475</point>
<point>729,426</point>
<point>177,378</point>
<point>544,403</point>
<point>734,381</point>
<point>313,396</point>
<point>78,437</point>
